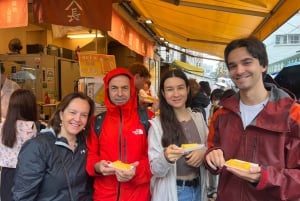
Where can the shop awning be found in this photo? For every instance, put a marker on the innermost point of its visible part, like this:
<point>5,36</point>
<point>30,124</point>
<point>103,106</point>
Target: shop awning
<point>208,25</point>
<point>188,68</point>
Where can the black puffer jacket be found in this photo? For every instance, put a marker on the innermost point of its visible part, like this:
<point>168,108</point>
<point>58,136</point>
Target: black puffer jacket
<point>40,173</point>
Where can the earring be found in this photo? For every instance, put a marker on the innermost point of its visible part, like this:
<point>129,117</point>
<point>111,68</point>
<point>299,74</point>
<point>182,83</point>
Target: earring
<point>83,129</point>
<point>61,125</point>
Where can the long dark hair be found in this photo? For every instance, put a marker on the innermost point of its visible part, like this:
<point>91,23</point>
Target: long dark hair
<point>22,106</point>
<point>172,130</point>
<point>55,120</point>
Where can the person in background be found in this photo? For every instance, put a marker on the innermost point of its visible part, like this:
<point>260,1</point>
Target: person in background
<point>18,127</point>
<point>7,88</point>
<point>199,99</point>
<point>51,166</point>
<point>147,88</point>
<point>204,86</point>
<point>177,176</point>
<point>122,137</point>
<point>215,98</point>
<point>141,74</point>
<point>228,93</point>
<point>260,125</point>
<point>212,181</point>
<point>145,95</point>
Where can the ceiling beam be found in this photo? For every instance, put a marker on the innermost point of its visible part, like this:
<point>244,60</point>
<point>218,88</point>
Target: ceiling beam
<point>188,39</point>
<point>217,8</point>
<point>278,18</point>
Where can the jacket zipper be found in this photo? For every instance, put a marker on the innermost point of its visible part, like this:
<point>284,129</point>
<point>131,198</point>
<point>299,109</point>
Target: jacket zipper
<point>120,150</point>
<point>244,156</point>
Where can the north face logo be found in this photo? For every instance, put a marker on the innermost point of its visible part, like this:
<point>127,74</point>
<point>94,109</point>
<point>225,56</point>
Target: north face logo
<point>138,131</point>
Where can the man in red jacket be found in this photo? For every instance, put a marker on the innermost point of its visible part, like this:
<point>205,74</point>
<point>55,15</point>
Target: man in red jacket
<point>260,125</point>
<point>121,138</point>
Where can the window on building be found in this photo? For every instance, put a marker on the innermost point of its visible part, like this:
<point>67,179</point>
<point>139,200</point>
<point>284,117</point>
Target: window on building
<point>281,39</point>
<point>294,38</point>
<point>287,39</point>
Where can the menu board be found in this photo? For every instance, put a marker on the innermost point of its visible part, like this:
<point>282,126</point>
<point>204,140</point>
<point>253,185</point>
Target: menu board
<point>95,65</point>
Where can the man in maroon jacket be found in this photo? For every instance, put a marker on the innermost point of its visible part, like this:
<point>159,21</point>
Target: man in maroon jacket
<point>261,125</point>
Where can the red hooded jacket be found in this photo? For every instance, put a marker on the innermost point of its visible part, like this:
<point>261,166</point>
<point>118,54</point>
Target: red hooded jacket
<point>123,138</point>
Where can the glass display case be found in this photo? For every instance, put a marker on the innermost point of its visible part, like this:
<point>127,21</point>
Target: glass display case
<point>26,77</point>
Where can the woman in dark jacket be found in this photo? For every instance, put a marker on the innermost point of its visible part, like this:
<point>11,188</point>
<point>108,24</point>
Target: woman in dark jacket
<point>51,167</point>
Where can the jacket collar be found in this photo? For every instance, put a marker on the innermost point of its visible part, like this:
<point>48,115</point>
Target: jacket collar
<point>274,116</point>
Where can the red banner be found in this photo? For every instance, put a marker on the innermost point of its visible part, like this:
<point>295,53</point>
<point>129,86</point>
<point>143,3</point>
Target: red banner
<point>94,14</point>
<point>126,35</point>
<point>13,13</point>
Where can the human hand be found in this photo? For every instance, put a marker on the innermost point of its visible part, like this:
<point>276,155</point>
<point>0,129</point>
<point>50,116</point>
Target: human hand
<point>195,158</point>
<point>103,168</point>
<point>126,175</point>
<point>253,175</point>
<point>155,105</point>
<point>215,159</point>
<point>173,152</point>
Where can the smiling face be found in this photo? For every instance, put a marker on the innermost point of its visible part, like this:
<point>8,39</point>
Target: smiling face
<point>175,92</point>
<point>245,70</point>
<point>74,118</point>
<point>119,90</point>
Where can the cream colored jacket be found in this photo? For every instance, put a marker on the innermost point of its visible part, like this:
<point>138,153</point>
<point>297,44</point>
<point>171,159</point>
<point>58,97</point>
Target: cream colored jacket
<point>163,182</point>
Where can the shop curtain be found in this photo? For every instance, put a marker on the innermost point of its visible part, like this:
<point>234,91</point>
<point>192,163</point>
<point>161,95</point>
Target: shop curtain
<point>88,13</point>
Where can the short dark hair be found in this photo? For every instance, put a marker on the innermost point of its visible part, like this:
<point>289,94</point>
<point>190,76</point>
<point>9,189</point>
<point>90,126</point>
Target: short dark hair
<point>205,87</point>
<point>138,68</point>
<point>253,45</point>
<point>216,94</point>
<point>227,93</point>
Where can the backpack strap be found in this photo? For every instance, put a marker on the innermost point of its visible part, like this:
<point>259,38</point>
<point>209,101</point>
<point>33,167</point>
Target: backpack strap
<point>143,115</point>
<point>98,122</point>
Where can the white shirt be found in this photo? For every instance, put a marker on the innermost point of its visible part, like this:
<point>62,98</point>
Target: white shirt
<point>249,112</point>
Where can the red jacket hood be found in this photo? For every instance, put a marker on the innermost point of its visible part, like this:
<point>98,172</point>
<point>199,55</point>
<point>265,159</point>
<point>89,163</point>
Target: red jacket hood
<point>132,102</point>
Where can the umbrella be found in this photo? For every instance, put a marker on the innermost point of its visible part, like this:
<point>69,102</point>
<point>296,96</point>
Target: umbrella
<point>289,78</point>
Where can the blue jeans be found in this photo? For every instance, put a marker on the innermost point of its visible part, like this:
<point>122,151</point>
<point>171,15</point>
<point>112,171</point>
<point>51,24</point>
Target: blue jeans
<point>187,193</point>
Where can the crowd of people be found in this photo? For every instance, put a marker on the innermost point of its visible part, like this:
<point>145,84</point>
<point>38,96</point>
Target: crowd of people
<point>182,153</point>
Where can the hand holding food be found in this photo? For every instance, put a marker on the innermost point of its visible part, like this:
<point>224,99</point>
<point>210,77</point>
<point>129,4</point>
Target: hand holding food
<point>120,165</point>
<point>239,164</point>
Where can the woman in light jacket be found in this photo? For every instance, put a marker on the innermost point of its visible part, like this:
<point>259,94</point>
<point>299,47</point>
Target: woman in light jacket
<point>177,175</point>
<point>18,127</point>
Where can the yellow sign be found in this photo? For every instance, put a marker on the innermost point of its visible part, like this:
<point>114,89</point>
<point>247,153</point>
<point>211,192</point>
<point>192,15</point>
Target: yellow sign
<point>95,65</point>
